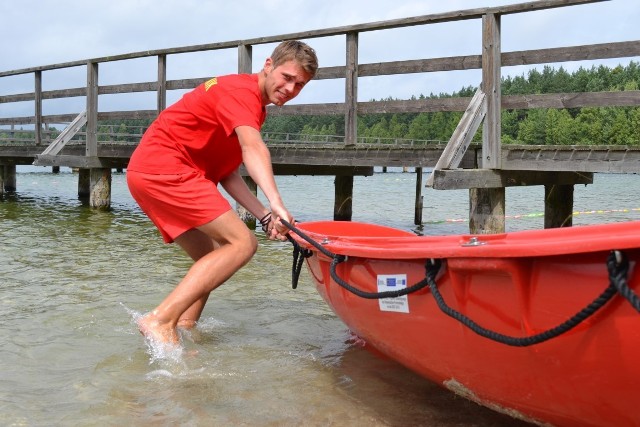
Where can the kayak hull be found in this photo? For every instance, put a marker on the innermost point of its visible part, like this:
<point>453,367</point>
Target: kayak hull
<point>588,375</point>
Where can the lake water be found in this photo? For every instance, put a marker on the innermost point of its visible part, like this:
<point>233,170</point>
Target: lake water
<point>73,279</point>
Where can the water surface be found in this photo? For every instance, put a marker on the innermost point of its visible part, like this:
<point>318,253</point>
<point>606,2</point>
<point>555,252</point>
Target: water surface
<point>73,279</point>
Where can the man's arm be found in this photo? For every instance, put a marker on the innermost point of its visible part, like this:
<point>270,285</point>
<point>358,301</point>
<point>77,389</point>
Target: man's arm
<point>257,160</point>
<point>237,188</point>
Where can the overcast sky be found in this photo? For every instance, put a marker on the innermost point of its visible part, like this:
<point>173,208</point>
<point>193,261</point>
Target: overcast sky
<point>41,32</point>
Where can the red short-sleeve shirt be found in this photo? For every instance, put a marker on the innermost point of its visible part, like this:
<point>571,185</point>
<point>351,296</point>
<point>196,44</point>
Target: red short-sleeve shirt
<point>197,132</point>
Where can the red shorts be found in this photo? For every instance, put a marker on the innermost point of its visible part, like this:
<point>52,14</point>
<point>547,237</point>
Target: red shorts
<point>177,203</point>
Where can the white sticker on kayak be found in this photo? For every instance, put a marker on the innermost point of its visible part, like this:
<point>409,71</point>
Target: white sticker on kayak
<point>393,282</point>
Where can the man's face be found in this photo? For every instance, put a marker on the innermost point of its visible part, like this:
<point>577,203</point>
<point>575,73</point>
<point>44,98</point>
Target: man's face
<point>283,82</point>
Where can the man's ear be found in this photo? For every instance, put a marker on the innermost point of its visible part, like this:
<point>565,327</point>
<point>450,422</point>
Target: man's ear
<point>268,65</point>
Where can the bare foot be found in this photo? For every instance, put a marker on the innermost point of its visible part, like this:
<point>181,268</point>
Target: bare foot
<point>157,331</point>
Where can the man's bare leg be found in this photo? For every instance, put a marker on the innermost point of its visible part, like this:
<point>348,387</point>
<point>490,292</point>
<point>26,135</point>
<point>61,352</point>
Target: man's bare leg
<point>196,244</point>
<point>237,245</point>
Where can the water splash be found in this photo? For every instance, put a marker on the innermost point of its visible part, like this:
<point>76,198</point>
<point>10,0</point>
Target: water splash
<point>158,351</point>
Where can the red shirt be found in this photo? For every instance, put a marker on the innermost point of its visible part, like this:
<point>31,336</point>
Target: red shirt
<point>198,131</point>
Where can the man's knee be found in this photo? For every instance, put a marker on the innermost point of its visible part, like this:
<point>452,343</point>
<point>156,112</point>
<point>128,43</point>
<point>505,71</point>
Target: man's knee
<point>247,247</point>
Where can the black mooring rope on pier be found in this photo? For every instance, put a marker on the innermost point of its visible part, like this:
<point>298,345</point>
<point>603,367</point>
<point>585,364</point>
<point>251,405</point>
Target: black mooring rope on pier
<point>617,266</point>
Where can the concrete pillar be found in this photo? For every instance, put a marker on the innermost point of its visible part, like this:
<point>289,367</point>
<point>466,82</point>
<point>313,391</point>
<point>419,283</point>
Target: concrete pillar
<point>486,210</point>
<point>1,180</point>
<point>100,194</point>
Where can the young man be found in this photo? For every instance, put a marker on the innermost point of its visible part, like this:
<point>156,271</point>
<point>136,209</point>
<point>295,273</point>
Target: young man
<point>196,144</point>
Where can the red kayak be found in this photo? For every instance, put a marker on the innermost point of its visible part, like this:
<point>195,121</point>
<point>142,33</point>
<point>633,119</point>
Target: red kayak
<point>542,325</point>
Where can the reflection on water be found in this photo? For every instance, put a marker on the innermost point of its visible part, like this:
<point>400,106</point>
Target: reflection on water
<point>74,279</point>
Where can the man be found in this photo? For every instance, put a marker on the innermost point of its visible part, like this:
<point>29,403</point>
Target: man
<point>196,144</point>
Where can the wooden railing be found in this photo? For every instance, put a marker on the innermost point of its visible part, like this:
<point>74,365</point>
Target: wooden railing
<point>490,60</point>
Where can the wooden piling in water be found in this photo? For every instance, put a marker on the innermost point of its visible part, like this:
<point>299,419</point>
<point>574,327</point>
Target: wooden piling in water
<point>558,206</point>
<point>100,192</point>
<point>343,204</point>
<point>9,175</point>
<point>417,218</point>
<point>84,185</point>
<point>486,210</point>
<point>244,214</point>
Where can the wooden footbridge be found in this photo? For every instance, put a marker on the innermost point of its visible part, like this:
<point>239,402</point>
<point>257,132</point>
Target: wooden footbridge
<point>485,169</point>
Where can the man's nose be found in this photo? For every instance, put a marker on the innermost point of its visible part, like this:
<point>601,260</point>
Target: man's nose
<point>289,87</point>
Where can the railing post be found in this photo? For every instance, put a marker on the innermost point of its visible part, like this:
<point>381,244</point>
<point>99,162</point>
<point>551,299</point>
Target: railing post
<point>100,178</point>
<point>245,62</point>
<point>92,109</point>
<point>351,91</point>
<point>487,205</point>
<point>245,66</point>
<point>38,107</point>
<point>162,82</point>
<point>491,63</point>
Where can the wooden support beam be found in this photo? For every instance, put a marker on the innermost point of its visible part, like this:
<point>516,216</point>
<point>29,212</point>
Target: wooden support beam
<point>463,134</point>
<point>491,64</point>
<point>244,214</point>
<point>38,107</point>
<point>162,83</point>
<point>245,59</point>
<point>486,210</point>
<point>100,192</point>
<point>92,109</point>
<point>342,208</point>
<point>351,91</point>
<point>84,185</point>
<point>490,178</point>
<point>245,66</point>
<point>417,217</point>
<point>558,206</point>
<point>73,161</point>
<point>65,136</point>
<point>10,183</point>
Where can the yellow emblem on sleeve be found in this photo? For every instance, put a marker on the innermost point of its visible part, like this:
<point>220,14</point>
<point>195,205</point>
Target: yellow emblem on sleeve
<point>209,83</point>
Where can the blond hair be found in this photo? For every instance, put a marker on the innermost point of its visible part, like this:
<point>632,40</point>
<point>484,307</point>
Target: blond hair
<point>294,50</point>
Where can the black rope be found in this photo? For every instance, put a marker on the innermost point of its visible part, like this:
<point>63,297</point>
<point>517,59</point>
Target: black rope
<point>617,266</point>
<point>372,295</point>
<point>299,254</point>
<point>337,259</point>
<point>575,320</point>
